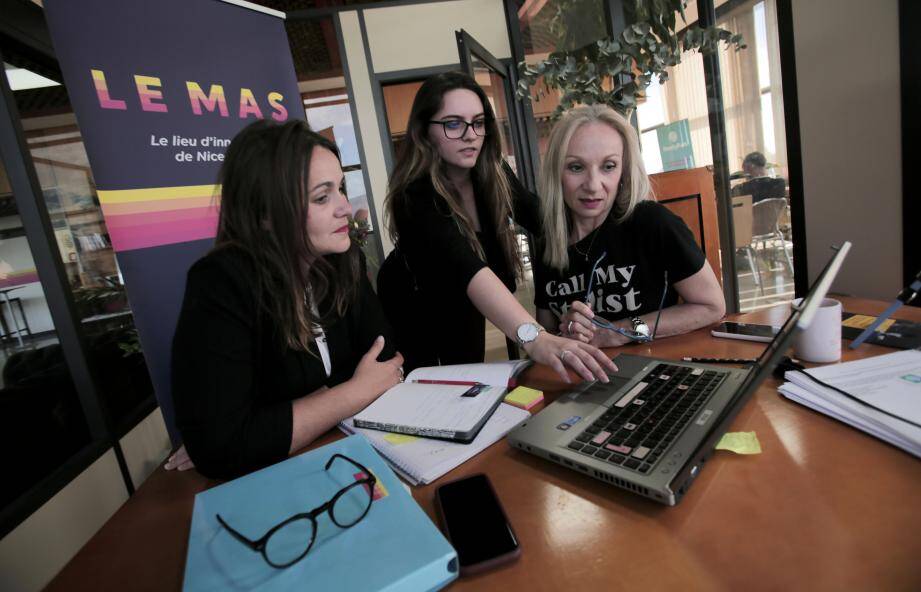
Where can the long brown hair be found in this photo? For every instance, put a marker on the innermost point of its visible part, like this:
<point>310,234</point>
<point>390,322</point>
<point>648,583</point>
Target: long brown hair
<point>264,210</point>
<point>419,157</point>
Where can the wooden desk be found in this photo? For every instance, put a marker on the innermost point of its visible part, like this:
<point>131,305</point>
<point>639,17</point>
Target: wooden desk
<point>824,507</point>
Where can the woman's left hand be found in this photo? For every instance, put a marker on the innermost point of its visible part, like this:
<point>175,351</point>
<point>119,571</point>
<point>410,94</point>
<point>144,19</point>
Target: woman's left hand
<point>588,361</point>
<point>179,460</point>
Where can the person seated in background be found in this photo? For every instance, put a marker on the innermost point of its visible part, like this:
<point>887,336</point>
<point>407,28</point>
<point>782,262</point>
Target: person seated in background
<point>759,185</point>
<point>280,336</point>
<point>608,250</point>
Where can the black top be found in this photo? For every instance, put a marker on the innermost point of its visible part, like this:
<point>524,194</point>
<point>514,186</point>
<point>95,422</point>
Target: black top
<point>423,282</point>
<point>762,188</point>
<point>630,278</point>
<point>233,379</point>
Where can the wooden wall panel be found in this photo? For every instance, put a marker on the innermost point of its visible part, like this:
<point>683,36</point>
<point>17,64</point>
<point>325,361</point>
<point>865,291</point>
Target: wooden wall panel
<point>690,195</point>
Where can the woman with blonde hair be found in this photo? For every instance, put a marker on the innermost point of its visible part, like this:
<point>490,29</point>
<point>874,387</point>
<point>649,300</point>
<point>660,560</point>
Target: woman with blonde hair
<point>611,258</point>
<point>450,204</point>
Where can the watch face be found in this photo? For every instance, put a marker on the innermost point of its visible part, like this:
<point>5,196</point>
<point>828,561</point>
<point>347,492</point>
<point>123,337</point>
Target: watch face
<point>527,332</point>
<point>640,326</point>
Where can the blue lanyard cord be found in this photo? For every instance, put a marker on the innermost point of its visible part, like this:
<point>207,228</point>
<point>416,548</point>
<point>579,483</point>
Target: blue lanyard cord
<point>591,276</point>
<point>605,324</point>
<point>655,329</point>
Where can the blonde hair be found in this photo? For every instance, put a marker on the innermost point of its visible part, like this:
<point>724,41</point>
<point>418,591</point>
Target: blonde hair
<point>634,183</point>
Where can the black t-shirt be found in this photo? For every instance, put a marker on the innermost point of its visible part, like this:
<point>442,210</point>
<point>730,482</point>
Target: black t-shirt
<point>761,188</point>
<point>423,283</point>
<point>631,276</point>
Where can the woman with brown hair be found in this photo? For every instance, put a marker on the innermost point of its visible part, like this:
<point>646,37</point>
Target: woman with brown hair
<point>450,205</point>
<point>280,335</point>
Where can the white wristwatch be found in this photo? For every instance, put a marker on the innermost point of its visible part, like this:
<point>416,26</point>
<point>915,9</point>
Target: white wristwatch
<point>527,332</point>
<point>640,326</point>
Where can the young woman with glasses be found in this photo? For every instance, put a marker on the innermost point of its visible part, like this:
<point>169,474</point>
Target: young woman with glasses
<point>280,336</point>
<point>610,257</point>
<point>450,204</point>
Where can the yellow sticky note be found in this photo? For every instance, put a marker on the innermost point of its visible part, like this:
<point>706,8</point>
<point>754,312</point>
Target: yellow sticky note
<point>524,397</point>
<point>397,439</point>
<point>859,321</point>
<point>740,443</point>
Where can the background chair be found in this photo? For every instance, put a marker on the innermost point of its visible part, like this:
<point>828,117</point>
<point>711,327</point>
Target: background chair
<point>742,216</point>
<point>766,216</point>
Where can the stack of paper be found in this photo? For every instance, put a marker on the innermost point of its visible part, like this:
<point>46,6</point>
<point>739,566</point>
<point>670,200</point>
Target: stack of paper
<point>422,460</point>
<point>891,383</point>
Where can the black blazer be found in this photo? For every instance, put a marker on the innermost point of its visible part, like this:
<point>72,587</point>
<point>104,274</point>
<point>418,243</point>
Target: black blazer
<point>233,380</point>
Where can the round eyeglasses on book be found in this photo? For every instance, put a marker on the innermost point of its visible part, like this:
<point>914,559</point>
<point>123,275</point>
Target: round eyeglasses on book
<point>457,128</point>
<point>288,542</point>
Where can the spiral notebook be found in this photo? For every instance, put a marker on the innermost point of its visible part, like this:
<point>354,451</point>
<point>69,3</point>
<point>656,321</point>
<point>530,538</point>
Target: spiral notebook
<point>422,460</point>
<point>445,402</point>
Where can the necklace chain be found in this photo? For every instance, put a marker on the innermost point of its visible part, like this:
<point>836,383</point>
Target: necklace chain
<point>588,251</point>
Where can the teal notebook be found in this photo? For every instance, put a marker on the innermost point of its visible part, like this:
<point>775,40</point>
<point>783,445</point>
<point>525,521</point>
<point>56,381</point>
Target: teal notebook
<point>394,547</point>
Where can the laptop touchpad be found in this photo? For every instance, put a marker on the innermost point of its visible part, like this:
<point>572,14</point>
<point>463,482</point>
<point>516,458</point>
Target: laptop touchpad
<point>600,392</point>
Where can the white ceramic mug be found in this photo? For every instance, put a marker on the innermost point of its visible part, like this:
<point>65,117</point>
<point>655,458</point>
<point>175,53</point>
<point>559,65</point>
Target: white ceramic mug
<point>820,342</point>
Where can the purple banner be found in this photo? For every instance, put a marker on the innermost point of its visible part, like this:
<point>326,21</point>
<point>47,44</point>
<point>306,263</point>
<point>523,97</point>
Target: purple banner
<point>159,89</point>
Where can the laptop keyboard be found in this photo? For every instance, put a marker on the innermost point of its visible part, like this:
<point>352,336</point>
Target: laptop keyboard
<point>638,427</point>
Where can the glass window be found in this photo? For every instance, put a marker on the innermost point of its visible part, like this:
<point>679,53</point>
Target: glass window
<point>321,80</point>
<point>97,287</point>
<point>398,101</point>
<point>493,85</point>
<point>753,111</point>
<point>652,157</point>
<point>650,112</point>
<point>42,424</point>
<point>549,26</point>
<point>756,142</point>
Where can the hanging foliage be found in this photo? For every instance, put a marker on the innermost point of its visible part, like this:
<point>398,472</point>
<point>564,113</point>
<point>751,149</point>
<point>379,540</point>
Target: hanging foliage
<point>615,71</point>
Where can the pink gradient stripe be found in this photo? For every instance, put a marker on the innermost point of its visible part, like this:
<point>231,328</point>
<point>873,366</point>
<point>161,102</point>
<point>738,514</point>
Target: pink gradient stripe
<point>159,205</point>
<point>144,218</point>
<point>148,99</point>
<point>107,102</point>
<point>127,238</point>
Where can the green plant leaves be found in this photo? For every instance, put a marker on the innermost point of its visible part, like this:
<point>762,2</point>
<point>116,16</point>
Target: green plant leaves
<point>642,53</point>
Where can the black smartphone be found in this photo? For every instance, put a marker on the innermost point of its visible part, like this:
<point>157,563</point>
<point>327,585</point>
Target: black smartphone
<point>745,331</point>
<point>475,524</point>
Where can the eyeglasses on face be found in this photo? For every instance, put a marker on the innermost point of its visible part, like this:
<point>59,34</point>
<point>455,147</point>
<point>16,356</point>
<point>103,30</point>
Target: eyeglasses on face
<point>288,542</point>
<point>455,129</point>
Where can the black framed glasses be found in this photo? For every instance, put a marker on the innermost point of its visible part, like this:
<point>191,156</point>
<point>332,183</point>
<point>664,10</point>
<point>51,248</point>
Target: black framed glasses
<point>457,128</point>
<point>605,324</point>
<point>288,542</point>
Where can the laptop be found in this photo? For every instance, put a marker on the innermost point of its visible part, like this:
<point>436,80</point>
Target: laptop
<point>652,428</point>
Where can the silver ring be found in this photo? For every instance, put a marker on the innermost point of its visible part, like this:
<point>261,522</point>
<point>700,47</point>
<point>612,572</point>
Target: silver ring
<point>563,353</point>
<point>400,369</point>
<point>569,328</point>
